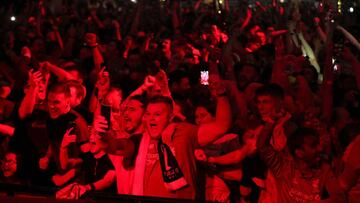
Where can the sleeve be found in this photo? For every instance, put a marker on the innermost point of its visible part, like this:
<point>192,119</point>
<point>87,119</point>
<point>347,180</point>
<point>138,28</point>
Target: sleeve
<point>268,154</point>
<point>81,131</point>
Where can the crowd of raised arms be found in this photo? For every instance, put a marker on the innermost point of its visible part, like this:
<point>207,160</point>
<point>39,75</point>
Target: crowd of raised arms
<point>198,100</point>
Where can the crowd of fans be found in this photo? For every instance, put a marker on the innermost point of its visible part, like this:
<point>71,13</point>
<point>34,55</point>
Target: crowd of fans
<point>181,99</point>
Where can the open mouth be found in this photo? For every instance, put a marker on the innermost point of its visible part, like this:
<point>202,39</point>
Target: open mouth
<point>153,126</point>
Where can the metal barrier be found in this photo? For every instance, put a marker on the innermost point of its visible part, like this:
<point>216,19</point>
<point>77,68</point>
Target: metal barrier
<point>12,193</point>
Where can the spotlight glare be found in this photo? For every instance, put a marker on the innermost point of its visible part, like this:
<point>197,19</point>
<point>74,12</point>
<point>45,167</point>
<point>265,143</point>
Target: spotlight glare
<point>351,10</point>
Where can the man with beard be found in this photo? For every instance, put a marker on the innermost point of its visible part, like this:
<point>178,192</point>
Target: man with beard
<point>122,148</point>
<point>303,177</point>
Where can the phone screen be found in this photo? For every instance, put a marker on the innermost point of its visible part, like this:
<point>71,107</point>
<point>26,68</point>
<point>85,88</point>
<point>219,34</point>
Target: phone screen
<point>106,112</point>
<point>204,77</point>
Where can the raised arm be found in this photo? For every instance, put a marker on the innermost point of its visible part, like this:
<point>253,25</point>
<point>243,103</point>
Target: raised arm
<point>309,52</point>
<point>349,36</point>
<point>116,25</point>
<point>175,16</point>
<point>210,132</point>
<point>327,85</point>
<point>355,64</point>
<point>91,41</point>
<point>62,74</point>
<point>96,19</point>
<point>136,21</point>
<point>57,35</point>
<point>319,30</point>
<point>28,103</point>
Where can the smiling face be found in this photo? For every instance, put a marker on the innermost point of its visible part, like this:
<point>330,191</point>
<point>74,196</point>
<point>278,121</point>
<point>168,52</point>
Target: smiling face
<point>157,117</point>
<point>58,104</point>
<point>133,113</point>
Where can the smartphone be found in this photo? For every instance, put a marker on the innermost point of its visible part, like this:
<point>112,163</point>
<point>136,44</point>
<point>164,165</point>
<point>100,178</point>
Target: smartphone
<point>204,77</point>
<point>72,125</point>
<point>106,112</point>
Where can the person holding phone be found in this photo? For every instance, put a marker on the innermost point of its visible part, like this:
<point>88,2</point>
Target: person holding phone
<point>122,148</point>
<point>62,118</point>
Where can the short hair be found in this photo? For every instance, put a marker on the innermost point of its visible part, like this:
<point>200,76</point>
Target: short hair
<point>80,90</point>
<point>208,105</point>
<point>273,90</point>
<point>297,139</point>
<point>60,88</point>
<point>162,99</point>
<point>140,98</point>
<point>176,76</point>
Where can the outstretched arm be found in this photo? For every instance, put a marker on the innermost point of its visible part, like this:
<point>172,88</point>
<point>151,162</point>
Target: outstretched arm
<point>62,74</point>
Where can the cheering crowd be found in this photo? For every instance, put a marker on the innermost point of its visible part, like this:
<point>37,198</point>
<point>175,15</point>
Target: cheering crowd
<point>181,99</point>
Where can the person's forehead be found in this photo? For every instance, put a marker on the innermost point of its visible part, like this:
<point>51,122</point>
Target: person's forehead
<point>56,95</point>
<point>265,98</point>
<point>157,106</point>
<point>10,156</point>
<point>72,89</point>
<point>134,104</point>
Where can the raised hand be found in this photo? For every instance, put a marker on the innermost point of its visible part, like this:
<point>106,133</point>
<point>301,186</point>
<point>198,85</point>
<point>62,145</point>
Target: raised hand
<point>68,138</point>
<point>44,163</point>
<point>90,39</point>
<point>103,82</point>
<point>149,82</point>
<point>100,125</point>
<point>200,155</point>
<point>34,78</point>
